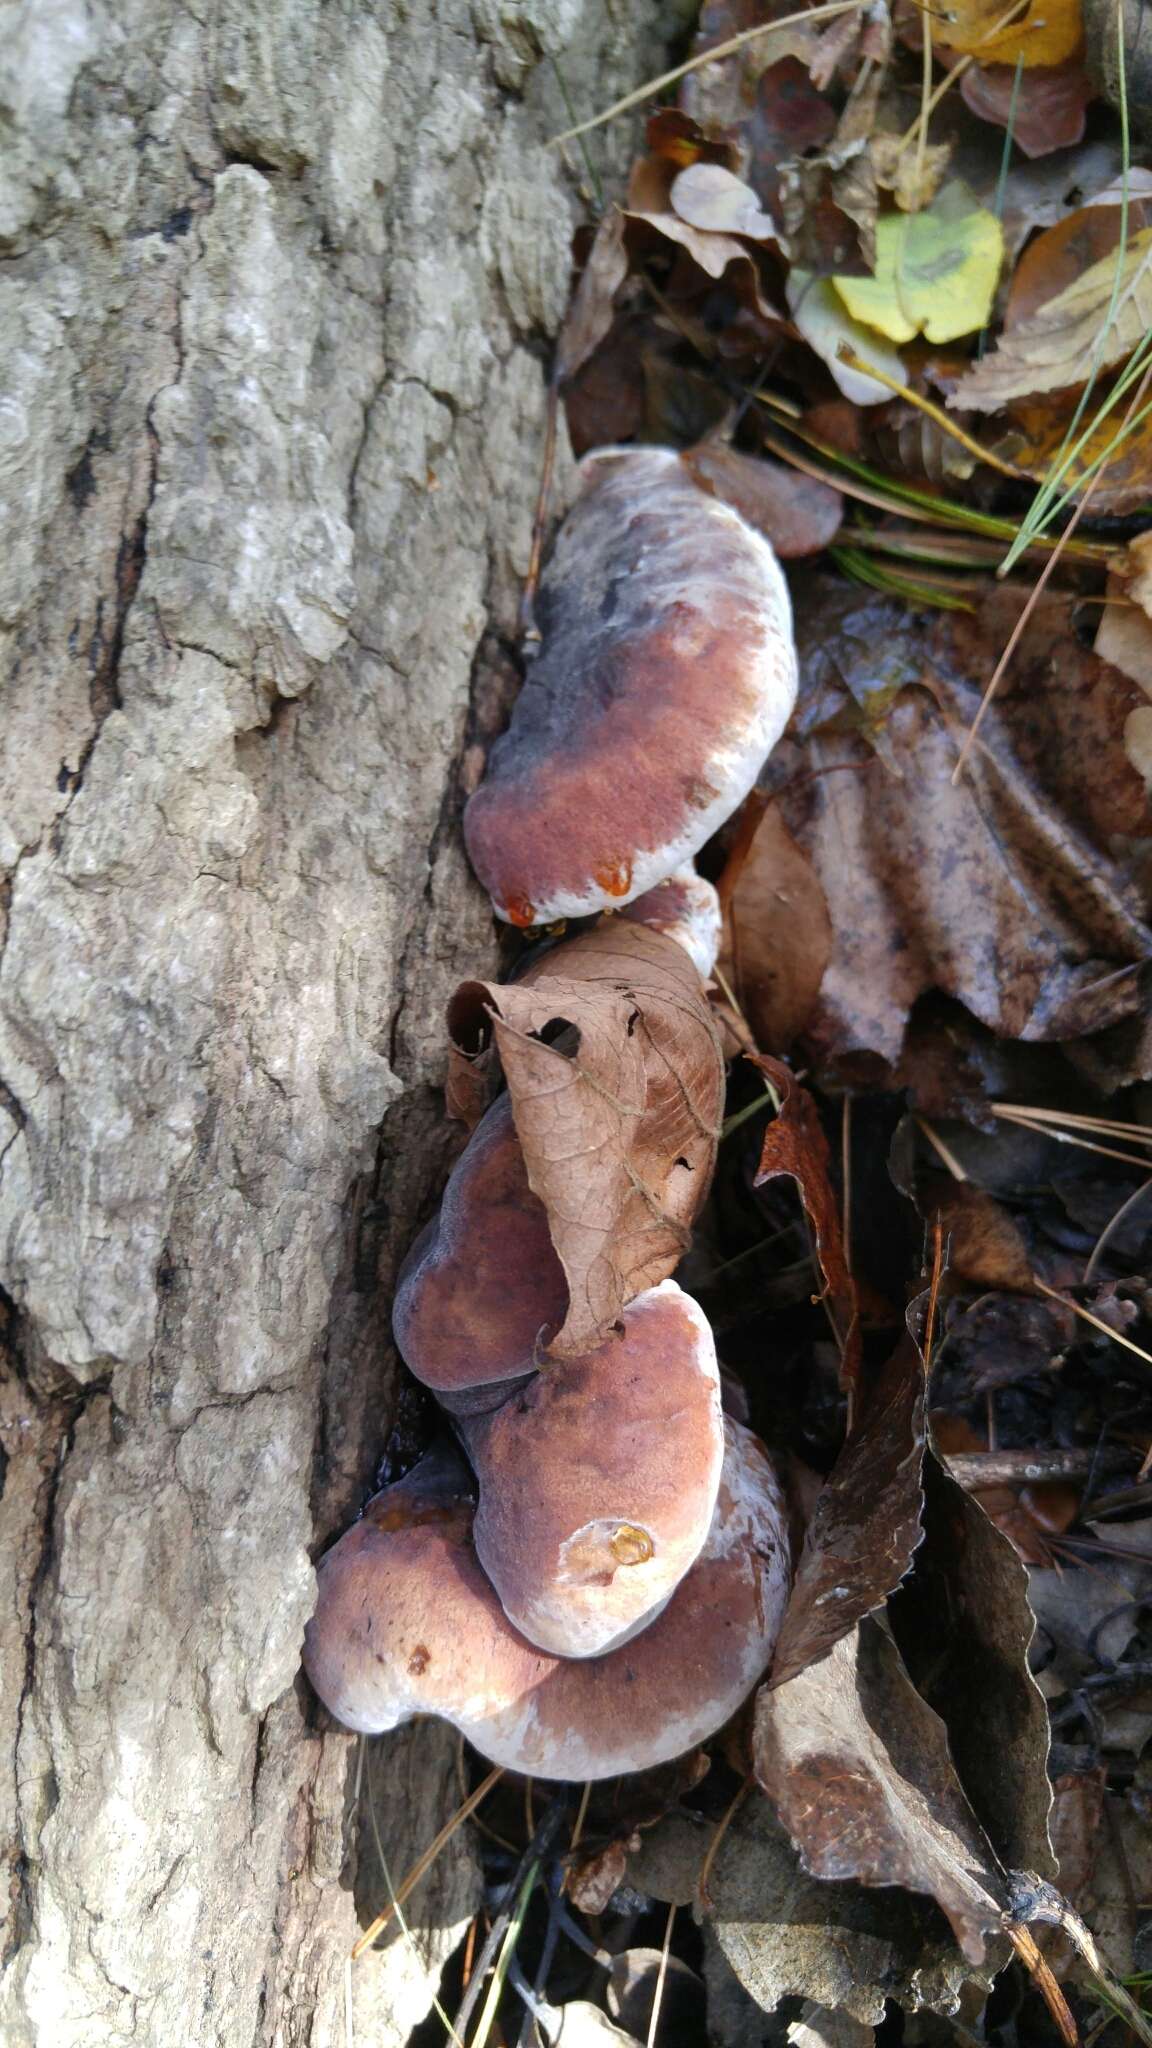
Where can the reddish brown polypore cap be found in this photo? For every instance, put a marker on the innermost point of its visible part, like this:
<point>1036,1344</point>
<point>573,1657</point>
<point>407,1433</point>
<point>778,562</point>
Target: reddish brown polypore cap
<point>482,1291</point>
<point>666,674</point>
<point>407,1623</point>
<point>598,1479</point>
<point>685,908</point>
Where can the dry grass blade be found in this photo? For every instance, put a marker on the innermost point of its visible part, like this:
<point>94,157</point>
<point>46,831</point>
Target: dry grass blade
<point>747,35</point>
<point>425,1862</point>
<point>1087,1316</point>
<point>1045,1983</point>
<point>661,1974</point>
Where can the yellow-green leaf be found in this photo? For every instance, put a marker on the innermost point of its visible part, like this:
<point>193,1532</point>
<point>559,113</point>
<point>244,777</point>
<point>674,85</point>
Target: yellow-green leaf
<point>936,271</point>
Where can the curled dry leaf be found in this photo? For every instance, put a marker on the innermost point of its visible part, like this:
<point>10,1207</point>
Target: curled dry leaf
<point>589,316</point>
<point>710,197</point>
<point>964,1627</point>
<point>858,1768</point>
<point>912,176</point>
<point>619,1119</point>
<point>1019,890</point>
<point>828,204</point>
<point>650,212</point>
<point>1124,635</point>
<point>1070,337</point>
<point>777,933</point>
<point>798,514</point>
<point>795,1145</point>
<point>865,1525</point>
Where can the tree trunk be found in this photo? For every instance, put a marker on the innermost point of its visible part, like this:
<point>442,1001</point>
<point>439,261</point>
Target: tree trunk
<point>274,331</point>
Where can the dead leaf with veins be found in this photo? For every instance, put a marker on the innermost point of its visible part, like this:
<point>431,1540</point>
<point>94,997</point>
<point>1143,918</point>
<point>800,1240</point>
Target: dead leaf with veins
<point>616,1078</point>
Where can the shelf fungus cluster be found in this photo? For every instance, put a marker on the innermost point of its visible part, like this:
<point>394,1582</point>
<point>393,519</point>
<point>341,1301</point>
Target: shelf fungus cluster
<point>588,1577</point>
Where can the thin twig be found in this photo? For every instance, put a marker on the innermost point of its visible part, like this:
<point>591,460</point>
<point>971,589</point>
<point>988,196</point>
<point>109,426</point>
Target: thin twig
<point>725,1823</point>
<point>1045,1982</point>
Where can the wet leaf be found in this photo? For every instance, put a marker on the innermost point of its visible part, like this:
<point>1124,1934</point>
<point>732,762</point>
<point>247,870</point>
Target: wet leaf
<point>777,935</point>
<point>858,1768</point>
<point>1048,33</point>
<point>865,1525</point>
<point>936,271</point>
<point>1018,891</point>
<point>1047,111</point>
<point>798,514</point>
<point>1070,336</point>
<point>795,1145</point>
<point>619,1120</point>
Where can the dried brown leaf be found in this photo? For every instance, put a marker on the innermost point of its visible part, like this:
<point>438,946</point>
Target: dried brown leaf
<point>1045,112</point>
<point>589,317</point>
<point>795,1145</point>
<point>1019,891</point>
<point>777,935</point>
<point>865,1525</point>
<point>964,1627</point>
<point>710,197</point>
<point>828,205</point>
<point>798,514</point>
<point>858,1768</point>
<point>619,1120</point>
<point>1070,336</point>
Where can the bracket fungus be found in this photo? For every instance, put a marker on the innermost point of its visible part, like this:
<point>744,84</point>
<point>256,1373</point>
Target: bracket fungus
<point>408,1623</point>
<point>666,674</point>
<point>598,1479</point>
<point>685,908</point>
<point>482,1290</point>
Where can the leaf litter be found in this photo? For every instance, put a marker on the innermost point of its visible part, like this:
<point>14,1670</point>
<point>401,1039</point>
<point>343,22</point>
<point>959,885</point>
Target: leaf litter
<point>877,293</point>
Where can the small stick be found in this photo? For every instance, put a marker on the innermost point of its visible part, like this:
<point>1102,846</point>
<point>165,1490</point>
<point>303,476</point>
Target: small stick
<point>976,1469</point>
<point>425,1862</point>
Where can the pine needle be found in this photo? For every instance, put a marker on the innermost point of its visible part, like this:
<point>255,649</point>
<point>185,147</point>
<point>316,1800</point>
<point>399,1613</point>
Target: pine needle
<point>1087,1316</point>
<point>658,1995</point>
<point>425,1862</point>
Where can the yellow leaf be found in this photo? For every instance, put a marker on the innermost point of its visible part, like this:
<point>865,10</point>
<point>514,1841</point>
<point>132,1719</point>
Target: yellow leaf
<point>936,271</point>
<point>1050,32</point>
<point>1070,336</point>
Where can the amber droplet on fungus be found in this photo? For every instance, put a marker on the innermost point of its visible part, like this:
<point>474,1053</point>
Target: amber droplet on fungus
<point>614,877</point>
<point>631,1545</point>
<point>520,912</point>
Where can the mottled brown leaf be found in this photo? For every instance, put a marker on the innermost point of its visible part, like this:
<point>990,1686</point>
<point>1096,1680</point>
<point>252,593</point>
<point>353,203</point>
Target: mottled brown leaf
<point>828,205</point>
<point>616,1078</point>
<point>865,1525</point>
<point>858,1768</point>
<point>798,514</point>
<point>795,1145</point>
<point>1019,891</point>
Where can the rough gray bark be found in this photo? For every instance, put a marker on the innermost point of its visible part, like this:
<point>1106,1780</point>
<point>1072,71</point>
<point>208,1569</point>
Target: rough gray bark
<point>278,283</point>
